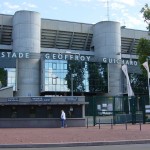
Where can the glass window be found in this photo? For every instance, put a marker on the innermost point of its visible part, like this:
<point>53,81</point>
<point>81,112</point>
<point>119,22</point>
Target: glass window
<point>58,66</point>
<point>65,66</point>
<point>58,81</point>
<point>46,87</point>
<point>54,66</point>
<point>50,81</point>
<point>50,66</point>
<point>65,82</point>
<point>46,65</point>
<point>54,80</point>
<point>11,77</point>
<point>61,81</point>
<point>91,76</point>
<point>61,66</point>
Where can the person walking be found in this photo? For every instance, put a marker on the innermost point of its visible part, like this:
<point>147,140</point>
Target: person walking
<point>63,118</point>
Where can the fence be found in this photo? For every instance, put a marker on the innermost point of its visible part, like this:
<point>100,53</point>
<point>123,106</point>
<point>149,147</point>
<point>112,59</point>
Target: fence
<point>119,109</point>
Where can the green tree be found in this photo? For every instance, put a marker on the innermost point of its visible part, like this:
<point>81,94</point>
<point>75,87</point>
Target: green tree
<point>143,48</point>
<point>75,68</point>
<point>3,77</point>
<point>143,51</point>
<point>138,83</point>
<point>96,77</point>
<point>146,15</point>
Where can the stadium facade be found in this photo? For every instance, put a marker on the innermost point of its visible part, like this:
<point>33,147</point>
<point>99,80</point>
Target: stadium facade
<point>48,65</point>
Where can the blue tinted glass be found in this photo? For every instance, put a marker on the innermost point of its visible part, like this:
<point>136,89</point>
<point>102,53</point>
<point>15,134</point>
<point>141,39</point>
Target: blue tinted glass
<point>91,76</point>
<point>11,77</point>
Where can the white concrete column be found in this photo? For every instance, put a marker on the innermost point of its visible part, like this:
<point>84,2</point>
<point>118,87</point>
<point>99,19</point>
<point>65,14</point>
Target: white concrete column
<point>26,38</point>
<point>107,44</point>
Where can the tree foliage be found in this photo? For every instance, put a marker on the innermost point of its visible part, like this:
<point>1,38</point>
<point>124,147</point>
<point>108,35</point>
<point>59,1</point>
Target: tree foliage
<point>96,77</point>
<point>75,68</point>
<point>146,15</point>
<point>143,48</point>
<point>3,77</point>
<point>143,51</point>
<point>139,83</point>
<point>95,73</point>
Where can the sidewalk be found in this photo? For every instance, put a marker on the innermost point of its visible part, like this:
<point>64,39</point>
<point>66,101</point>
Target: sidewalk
<point>37,137</point>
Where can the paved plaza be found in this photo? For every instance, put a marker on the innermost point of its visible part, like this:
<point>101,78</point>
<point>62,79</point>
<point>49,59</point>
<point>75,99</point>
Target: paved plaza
<point>97,135</point>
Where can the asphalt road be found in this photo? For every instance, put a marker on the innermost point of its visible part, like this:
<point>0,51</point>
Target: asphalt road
<point>110,147</point>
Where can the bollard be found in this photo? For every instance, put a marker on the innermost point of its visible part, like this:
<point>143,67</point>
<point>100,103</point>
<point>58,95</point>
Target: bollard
<point>87,123</point>
<point>99,124</point>
<point>126,125</point>
<point>140,126</point>
<point>111,124</point>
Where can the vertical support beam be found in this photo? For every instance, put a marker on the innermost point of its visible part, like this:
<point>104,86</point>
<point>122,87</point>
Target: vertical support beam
<point>85,44</point>
<point>94,115</point>
<point>1,33</point>
<point>131,46</point>
<point>83,111</point>
<point>71,84</point>
<point>56,38</point>
<point>70,45</point>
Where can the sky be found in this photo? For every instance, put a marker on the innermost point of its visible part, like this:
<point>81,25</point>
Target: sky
<point>127,12</point>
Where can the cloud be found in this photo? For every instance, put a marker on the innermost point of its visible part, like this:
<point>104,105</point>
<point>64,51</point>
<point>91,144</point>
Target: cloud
<point>85,0</point>
<point>127,2</point>
<point>133,22</point>
<point>67,1</point>
<point>78,3</point>
<point>10,8</point>
<point>75,1</point>
<point>117,6</point>
<point>29,5</point>
<point>53,7</point>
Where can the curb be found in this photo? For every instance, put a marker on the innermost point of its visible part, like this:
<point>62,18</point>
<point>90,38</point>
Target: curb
<point>74,144</point>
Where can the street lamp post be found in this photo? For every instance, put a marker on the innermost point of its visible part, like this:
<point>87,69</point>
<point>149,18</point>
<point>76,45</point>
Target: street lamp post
<point>71,84</point>
<point>0,84</point>
<point>77,56</point>
<point>55,84</point>
<point>72,76</point>
<point>148,57</point>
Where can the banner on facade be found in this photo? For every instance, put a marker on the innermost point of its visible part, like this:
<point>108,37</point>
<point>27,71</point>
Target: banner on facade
<point>129,88</point>
<point>145,64</point>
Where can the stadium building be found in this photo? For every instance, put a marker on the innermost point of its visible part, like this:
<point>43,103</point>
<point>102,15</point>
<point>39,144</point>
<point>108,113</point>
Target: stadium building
<point>48,65</point>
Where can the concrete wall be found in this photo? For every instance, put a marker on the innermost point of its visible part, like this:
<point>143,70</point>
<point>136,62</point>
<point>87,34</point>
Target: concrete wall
<point>6,19</point>
<point>6,92</point>
<point>107,39</point>
<point>26,38</point>
<point>66,26</point>
<point>39,122</point>
<point>107,43</point>
<point>135,34</point>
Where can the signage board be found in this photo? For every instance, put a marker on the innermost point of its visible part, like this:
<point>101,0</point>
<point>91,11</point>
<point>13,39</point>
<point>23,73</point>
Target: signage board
<point>40,99</point>
<point>66,56</point>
